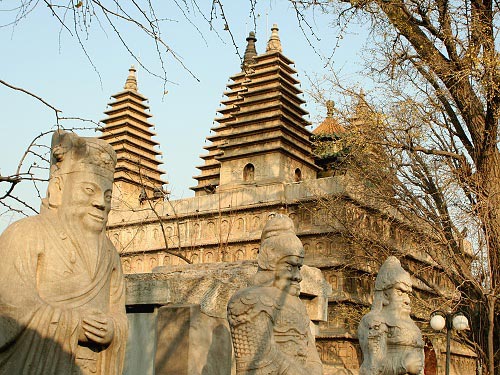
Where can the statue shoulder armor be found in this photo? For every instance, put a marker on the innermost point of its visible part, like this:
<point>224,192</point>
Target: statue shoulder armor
<point>249,302</point>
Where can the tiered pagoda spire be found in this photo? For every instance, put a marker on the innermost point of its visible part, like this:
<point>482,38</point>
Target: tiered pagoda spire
<point>261,136</point>
<point>127,129</point>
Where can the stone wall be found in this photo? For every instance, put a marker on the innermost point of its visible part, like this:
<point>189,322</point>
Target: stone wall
<point>177,316</point>
<point>226,227</point>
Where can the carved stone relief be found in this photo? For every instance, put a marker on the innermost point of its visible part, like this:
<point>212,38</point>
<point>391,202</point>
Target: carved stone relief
<point>153,262</point>
<point>126,266</point>
<point>239,255</point>
<point>209,257</point>
<point>196,231</point>
<point>240,225</point>
<point>167,260</point>
<point>224,227</point>
<point>254,253</point>
<point>256,223</point>
<point>343,354</point>
<point>211,232</point>
<point>183,231</point>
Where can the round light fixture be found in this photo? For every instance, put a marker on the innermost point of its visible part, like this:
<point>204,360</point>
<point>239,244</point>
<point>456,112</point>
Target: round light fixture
<point>438,322</point>
<point>460,322</point>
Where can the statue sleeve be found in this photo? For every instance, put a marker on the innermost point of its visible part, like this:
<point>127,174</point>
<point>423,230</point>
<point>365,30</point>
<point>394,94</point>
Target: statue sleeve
<point>313,363</point>
<point>33,334</point>
<point>372,338</point>
<point>113,357</point>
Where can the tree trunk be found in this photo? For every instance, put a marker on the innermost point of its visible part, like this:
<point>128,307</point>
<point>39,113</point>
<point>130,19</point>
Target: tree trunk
<point>491,332</point>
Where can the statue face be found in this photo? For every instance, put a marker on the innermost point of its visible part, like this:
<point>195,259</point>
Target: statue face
<point>86,200</point>
<point>398,299</point>
<point>287,274</point>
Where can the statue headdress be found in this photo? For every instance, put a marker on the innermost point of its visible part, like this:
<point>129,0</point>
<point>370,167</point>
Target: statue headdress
<point>71,153</point>
<point>276,242</point>
<point>390,274</point>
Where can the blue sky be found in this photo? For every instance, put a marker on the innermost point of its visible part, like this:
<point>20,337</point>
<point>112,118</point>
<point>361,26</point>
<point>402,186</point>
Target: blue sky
<point>39,57</point>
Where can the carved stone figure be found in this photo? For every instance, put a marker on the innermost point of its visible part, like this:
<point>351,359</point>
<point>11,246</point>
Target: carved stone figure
<point>62,302</point>
<point>269,324</point>
<point>390,341</point>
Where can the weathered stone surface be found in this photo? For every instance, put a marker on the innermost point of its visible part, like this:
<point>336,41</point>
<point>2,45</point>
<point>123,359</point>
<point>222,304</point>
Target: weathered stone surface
<point>211,286</point>
<point>142,342</point>
<point>269,324</point>
<point>62,300</point>
<point>391,342</point>
<point>147,291</point>
<point>191,343</point>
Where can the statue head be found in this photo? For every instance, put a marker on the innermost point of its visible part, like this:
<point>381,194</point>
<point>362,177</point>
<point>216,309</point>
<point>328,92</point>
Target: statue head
<point>392,287</point>
<point>81,180</point>
<point>281,255</point>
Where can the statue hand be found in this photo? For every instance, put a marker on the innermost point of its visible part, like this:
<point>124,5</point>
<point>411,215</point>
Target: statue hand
<point>98,327</point>
<point>413,363</point>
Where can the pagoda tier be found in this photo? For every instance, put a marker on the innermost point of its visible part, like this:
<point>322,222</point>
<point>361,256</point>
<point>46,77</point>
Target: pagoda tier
<point>261,136</point>
<point>127,129</point>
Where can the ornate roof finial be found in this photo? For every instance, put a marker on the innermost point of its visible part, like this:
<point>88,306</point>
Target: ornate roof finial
<point>330,106</point>
<point>274,43</point>
<point>131,82</point>
<point>250,51</point>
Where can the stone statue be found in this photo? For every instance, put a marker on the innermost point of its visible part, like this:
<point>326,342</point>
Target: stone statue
<point>269,324</point>
<point>390,341</point>
<point>62,301</point>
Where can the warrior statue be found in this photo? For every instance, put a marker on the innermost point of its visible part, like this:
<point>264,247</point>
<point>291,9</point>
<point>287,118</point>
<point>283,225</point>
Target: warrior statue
<point>62,301</point>
<point>390,341</point>
<point>270,327</point>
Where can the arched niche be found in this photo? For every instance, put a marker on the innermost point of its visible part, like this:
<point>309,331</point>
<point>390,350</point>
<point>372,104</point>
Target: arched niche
<point>249,172</point>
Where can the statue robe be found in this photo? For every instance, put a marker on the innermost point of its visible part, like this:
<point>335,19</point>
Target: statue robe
<point>388,344</point>
<point>47,282</point>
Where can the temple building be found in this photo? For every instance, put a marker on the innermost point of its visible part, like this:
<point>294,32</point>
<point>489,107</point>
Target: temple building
<point>261,160</point>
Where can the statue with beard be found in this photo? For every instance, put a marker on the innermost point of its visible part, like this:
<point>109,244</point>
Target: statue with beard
<point>269,324</point>
<point>62,302</point>
<point>390,341</point>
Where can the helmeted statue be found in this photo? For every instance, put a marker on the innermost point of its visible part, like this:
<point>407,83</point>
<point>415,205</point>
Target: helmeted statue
<point>269,324</point>
<point>390,340</point>
<point>62,302</point>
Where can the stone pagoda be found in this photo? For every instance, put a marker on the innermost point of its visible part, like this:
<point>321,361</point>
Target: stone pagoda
<point>261,136</point>
<point>138,176</point>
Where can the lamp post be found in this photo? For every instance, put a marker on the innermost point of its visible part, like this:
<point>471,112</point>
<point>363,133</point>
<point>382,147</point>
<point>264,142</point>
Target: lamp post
<point>450,320</point>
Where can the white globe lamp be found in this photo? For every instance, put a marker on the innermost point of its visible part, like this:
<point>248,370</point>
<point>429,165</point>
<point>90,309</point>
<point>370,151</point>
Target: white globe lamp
<point>460,322</point>
<point>438,322</point>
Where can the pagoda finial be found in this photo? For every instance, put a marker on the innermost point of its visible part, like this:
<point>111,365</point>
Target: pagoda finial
<point>330,106</point>
<point>361,100</point>
<point>250,51</point>
<point>274,43</point>
<point>131,82</point>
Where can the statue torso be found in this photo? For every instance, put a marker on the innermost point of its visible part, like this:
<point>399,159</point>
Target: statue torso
<point>266,314</point>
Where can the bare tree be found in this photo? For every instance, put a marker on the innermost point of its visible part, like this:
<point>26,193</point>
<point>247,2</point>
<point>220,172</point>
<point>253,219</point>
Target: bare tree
<point>440,61</point>
<point>410,193</point>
